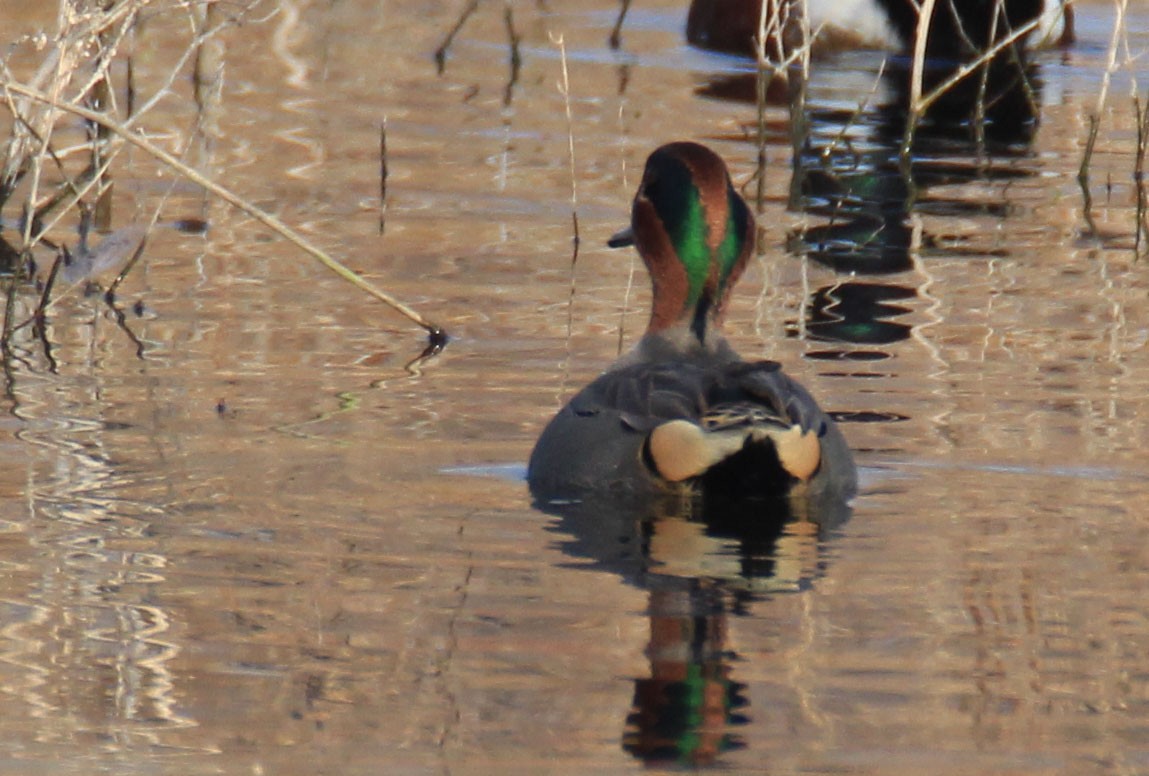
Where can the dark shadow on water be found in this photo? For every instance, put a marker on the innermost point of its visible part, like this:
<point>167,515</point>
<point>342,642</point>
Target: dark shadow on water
<point>701,562</point>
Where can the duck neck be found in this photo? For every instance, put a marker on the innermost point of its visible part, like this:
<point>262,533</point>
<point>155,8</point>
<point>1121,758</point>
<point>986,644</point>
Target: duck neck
<point>692,338</point>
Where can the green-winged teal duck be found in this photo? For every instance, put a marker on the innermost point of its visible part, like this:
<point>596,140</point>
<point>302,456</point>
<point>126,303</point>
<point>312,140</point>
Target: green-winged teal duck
<point>682,411</point>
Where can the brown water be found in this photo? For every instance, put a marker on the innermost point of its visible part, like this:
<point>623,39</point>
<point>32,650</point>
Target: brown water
<point>257,544</point>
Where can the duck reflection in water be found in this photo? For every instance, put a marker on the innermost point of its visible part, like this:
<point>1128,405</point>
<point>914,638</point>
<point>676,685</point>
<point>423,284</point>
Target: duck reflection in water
<point>704,564</point>
<point>849,169</point>
<point>685,468</point>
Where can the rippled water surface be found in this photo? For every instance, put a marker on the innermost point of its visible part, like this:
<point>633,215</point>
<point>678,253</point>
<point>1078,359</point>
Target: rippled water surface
<point>238,536</point>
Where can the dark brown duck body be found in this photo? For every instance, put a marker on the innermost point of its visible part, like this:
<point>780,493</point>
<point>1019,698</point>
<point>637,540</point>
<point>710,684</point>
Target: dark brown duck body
<point>682,412</point>
<point>960,30</point>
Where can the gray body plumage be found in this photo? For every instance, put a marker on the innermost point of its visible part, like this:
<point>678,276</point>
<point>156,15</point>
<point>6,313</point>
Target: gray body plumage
<point>596,442</point>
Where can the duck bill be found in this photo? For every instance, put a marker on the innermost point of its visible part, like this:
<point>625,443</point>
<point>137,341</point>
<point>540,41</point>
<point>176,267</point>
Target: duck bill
<point>621,239</point>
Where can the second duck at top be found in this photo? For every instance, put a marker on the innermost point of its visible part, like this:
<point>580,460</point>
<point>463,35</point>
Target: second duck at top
<point>959,29</point>
<point>682,412</point>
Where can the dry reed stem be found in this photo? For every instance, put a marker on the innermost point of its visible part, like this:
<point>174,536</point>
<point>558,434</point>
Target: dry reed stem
<point>126,134</point>
<point>773,19</point>
<point>565,90</point>
<point>80,30</point>
<point>1095,117</point>
<point>918,64</point>
<point>772,22</point>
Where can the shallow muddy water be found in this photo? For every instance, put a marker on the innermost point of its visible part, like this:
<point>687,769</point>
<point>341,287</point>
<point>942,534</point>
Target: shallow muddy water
<point>238,536</point>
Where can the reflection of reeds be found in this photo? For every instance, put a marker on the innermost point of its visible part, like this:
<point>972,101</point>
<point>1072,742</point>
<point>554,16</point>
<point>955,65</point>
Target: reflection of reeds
<point>75,79</point>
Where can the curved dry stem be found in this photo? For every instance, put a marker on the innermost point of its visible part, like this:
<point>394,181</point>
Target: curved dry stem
<point>233,199</point>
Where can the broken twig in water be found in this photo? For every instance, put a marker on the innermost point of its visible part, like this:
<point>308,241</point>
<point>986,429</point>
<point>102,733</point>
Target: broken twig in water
<point>265,218</point>
<point>516,57</point>
<point>616,31</point>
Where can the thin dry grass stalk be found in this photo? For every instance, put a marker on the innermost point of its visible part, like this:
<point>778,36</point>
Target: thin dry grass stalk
<point>564,86</point>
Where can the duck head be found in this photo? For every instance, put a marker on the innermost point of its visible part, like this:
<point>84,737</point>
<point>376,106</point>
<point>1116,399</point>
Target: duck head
<point>695,235</point>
